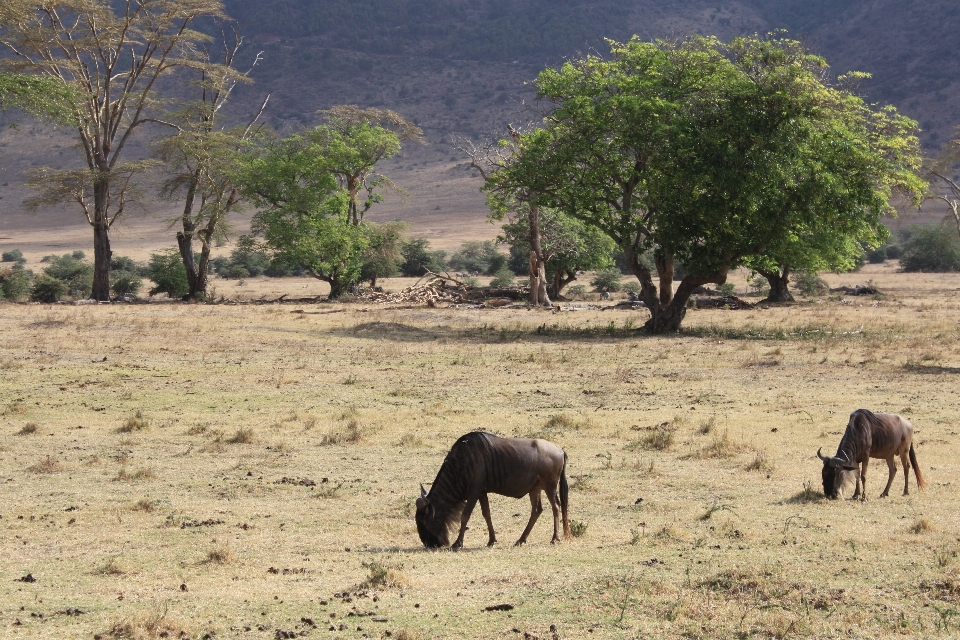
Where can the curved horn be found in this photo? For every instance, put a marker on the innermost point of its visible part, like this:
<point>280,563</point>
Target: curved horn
<point>819,455</point>
<point>422,501</point>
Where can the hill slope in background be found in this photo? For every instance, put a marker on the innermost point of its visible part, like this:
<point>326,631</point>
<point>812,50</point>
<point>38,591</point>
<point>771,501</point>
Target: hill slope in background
<point>463,69</point>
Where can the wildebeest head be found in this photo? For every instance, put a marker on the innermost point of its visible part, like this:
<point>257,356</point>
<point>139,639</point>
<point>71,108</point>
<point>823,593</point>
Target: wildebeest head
<point>432,530</point>
<point>835,472</point>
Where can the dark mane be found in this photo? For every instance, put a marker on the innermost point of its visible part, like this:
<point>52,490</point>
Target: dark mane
<point>448,493</point>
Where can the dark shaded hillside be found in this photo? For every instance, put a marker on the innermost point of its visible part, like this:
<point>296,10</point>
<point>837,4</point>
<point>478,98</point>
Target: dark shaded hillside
<point>411,54</point>
<point>495,30</point>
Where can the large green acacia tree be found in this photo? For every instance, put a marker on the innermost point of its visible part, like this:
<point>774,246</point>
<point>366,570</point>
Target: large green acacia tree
<point>112,54</point>
<point>309,187</point>
<point>710,154</point>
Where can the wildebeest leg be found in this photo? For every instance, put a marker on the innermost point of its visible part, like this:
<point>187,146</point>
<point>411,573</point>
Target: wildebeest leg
<point>485,510</point>
<point>464,518</point>
<point>892,466</point>
<point>905,461</point>
<point>862,481</point>
<point>554,500</point>
<point>535,510</point>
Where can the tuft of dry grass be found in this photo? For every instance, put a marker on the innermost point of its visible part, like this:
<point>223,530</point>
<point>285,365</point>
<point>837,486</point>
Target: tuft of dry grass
<point>760,463</point>
<point>707,425</point>
<point>140,474</point>
<point>111,567</point>
<point>47,465</point>
<point>921,525</point>
<point>148,627</point>
<point>381,574</point>
<point>806,495</point>
<point>348,430</point>
<point>14,408</point>
<point>721,446</point>
<point>28,429</point>
<point>658,438</point>
<point>136,422</point>
<point>220,555</point>
<point>144,505</point>
<point>410,440</point>
<point>242,435</point>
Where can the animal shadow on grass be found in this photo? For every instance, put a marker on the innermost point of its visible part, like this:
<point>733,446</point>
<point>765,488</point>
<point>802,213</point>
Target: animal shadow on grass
<point>807,495</point>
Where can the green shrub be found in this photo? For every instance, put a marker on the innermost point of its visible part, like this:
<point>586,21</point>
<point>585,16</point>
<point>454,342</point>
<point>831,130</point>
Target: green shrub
<point>14,283</point>
<point>607,280</point>
<point>727,289</point>
<point>122,282</point>
<point>758,285</point>
<point>234,272</point>
<point>479,257</point>
<point>503,278</point>
<point>893,252</point>
<point>417,258</point>
<point>878,255</point>
<point>74,272</point>
<point>576,292</point>
<point>934,249</point>
<point>47,289</point>
<point>632,286</point>
<point>12,256</point>
<point>123,263</point>
<point>168,274</point>
<point>809,283</point>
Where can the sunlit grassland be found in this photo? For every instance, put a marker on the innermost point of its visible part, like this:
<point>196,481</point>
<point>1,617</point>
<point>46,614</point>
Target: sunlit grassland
<point>229,469</point>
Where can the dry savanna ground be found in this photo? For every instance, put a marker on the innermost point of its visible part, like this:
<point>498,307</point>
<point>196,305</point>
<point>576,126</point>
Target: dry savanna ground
<point>249,471</point>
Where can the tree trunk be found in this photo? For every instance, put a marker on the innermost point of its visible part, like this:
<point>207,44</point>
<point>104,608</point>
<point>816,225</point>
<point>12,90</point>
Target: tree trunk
<point>185,237</point>
<point>665,271</point>
<point>352,190</point>
<point>538,266</point>
<point>648,290</point>
<point>203,265</point>
<point>185,243</point>
<point>337,287</point>
<point>101,262</point>
<point>778,285</point>
<point>671,316</point>
<point>534,279</point>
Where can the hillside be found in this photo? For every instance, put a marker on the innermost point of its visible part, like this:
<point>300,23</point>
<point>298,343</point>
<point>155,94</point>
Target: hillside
<point>426,57</point>
<point>463,69</point>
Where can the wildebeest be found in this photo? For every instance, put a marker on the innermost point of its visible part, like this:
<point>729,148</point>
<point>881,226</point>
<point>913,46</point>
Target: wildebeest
<point>481,463</point>
<point>871,435</point>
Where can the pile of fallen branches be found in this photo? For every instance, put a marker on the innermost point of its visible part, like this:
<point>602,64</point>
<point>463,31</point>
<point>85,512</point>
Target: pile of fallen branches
<point>723,302</point>
<point>434,289</point>
<point>858,290</point>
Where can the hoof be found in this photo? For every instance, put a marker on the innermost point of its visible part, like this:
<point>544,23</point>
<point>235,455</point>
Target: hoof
<point>518,543</point>
<point>491,543</point>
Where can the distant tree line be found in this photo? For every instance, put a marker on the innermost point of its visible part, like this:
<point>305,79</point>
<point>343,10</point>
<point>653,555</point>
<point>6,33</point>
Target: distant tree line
<point>674,162</point>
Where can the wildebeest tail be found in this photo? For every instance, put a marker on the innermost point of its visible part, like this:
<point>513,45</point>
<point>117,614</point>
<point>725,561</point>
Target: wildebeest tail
<point>564,497</point>
<point>916,468</point>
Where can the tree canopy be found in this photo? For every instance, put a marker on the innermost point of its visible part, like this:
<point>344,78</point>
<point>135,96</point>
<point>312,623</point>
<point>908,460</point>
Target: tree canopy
<point>111,54</point>
<point>713,155</point>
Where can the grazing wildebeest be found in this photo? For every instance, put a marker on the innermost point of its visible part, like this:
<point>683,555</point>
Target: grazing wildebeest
<point>481,463</point>
<point>871,435</point>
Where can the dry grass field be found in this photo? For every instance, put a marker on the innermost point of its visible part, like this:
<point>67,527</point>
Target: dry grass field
<point>186,471</point>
